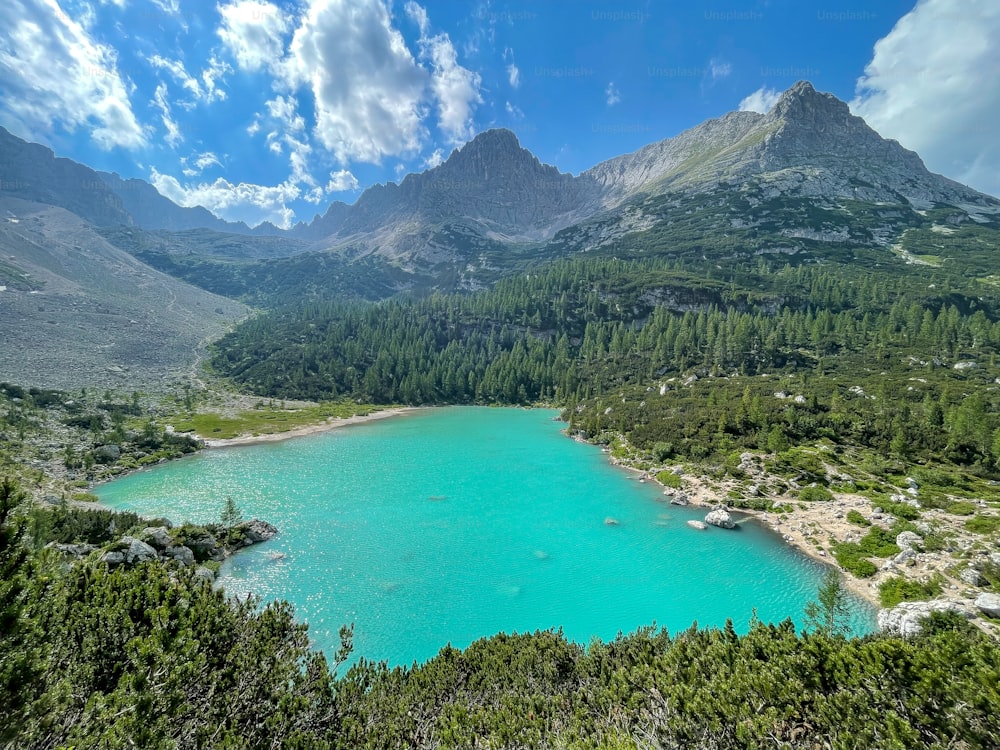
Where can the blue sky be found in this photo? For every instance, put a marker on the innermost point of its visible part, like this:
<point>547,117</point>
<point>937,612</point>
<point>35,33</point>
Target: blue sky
<point>265,110</point>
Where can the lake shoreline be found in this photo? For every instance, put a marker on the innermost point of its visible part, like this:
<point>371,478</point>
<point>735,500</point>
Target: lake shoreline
<point>331,423</point>
<point>699,493</point>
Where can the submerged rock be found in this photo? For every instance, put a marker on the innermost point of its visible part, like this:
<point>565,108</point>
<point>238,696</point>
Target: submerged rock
<point>720,518</point>
<point>695,524</point>
<point>609,521</point>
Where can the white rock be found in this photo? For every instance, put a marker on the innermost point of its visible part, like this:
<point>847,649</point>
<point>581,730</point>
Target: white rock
<point>695,524</point>
<point>720,518</point>
<point>989,604</point>
<point>908,540</point>
<point>905,618</point>
<point>971,576</point>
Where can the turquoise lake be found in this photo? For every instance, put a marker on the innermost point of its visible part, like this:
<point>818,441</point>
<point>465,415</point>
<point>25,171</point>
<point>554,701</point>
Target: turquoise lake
<point>447,525</point>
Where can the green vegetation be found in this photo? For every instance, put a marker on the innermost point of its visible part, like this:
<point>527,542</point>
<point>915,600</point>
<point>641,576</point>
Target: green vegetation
<point>815,494</point>
<point>983,524</point>
<point>267,419</point>
<point>857,519</point>
<point>83,646</point>
<point>894,590</point>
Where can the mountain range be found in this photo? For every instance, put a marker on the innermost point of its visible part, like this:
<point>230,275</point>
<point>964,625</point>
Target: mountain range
<point>806,177</point>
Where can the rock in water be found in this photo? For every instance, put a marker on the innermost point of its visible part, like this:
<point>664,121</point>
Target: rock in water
<point>905,619</point>
<point>695,524</point>
<point>989,604</point>
<point>720,518</point>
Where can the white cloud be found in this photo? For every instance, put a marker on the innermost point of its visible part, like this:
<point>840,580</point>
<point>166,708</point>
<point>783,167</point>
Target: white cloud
<point>513,73</point>
<point>455,88</point>
<point>760,100</point>
<point>200,162</point>
<point>341,181</point>
<point>254,32</point>
<point>436,158</point>
<point>514,111</point>
<point>285,110</point>
<point>367,87</point>
<point>52,71</point>
<point>719,68</point>
<point>612,94</point>
<point>173,136</point>
<point>243,202</point>
<point>513,76</point>
<point>932,85</point>
<point>170,7</point>
<point>204,90</point>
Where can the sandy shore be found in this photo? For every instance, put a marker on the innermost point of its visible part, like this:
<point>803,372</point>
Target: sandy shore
<point>332,423</point>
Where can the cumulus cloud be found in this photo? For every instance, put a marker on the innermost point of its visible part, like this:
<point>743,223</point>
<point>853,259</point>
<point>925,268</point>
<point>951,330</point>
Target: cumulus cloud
<point>436,158</point>
<point>243,202</point>
<point>760,100</point>
<point>367,87</point>
<point>931,85</point>
<point>52,71</point>
<point>456,89</point>
<point>340,181</point>
<point>612,94</point>
<point>254,32</point>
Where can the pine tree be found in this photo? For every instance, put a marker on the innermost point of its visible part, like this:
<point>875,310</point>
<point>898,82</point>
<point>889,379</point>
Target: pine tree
<point>231,514</point>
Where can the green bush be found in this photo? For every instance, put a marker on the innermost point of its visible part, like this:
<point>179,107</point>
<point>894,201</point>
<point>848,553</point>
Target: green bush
<point>857,519</point>
<point>815,494</point>
<point>669,479</point>
<point>894,590</point>
<point>851,558</point>
<point>900,510</point>
<point>983,524</point>
<point>962,508</point>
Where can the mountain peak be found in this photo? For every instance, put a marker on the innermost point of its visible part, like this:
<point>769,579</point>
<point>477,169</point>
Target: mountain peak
<point>803,101</point>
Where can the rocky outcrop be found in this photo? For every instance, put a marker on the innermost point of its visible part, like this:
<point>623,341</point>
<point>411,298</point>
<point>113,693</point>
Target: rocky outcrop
<point>721,518</point>
<point>909,540</point>
<point>186,546</point>
<point>989,604</point>
<point>906,618</point>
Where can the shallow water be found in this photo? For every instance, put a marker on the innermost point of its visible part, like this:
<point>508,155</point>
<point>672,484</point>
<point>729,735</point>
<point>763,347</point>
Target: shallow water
<point>447,525</point>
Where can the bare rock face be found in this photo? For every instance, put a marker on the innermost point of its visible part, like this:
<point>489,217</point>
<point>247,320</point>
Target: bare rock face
<point>720,518</point>
<point>989,604</point>
<point>137,551</point>
<point>905,618</point>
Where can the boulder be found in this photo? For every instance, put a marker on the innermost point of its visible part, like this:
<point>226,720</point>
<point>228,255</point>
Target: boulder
<point>205,546</point>
<point>183,555</point>
<point>905,619</point>
<point>156,536</point>
<point>679,498</point>
<point>113,559</point>
<point>256,531</point>
<point>204,575</point>
<point>908,540</point>
<point>995,558</point>
<point>905,556</point>
<point>137,551</point>
<point>989,604</point>
<point>971,576</point>
<point>695,524</point>
<point>106,454</point>
<point>720,518</point>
